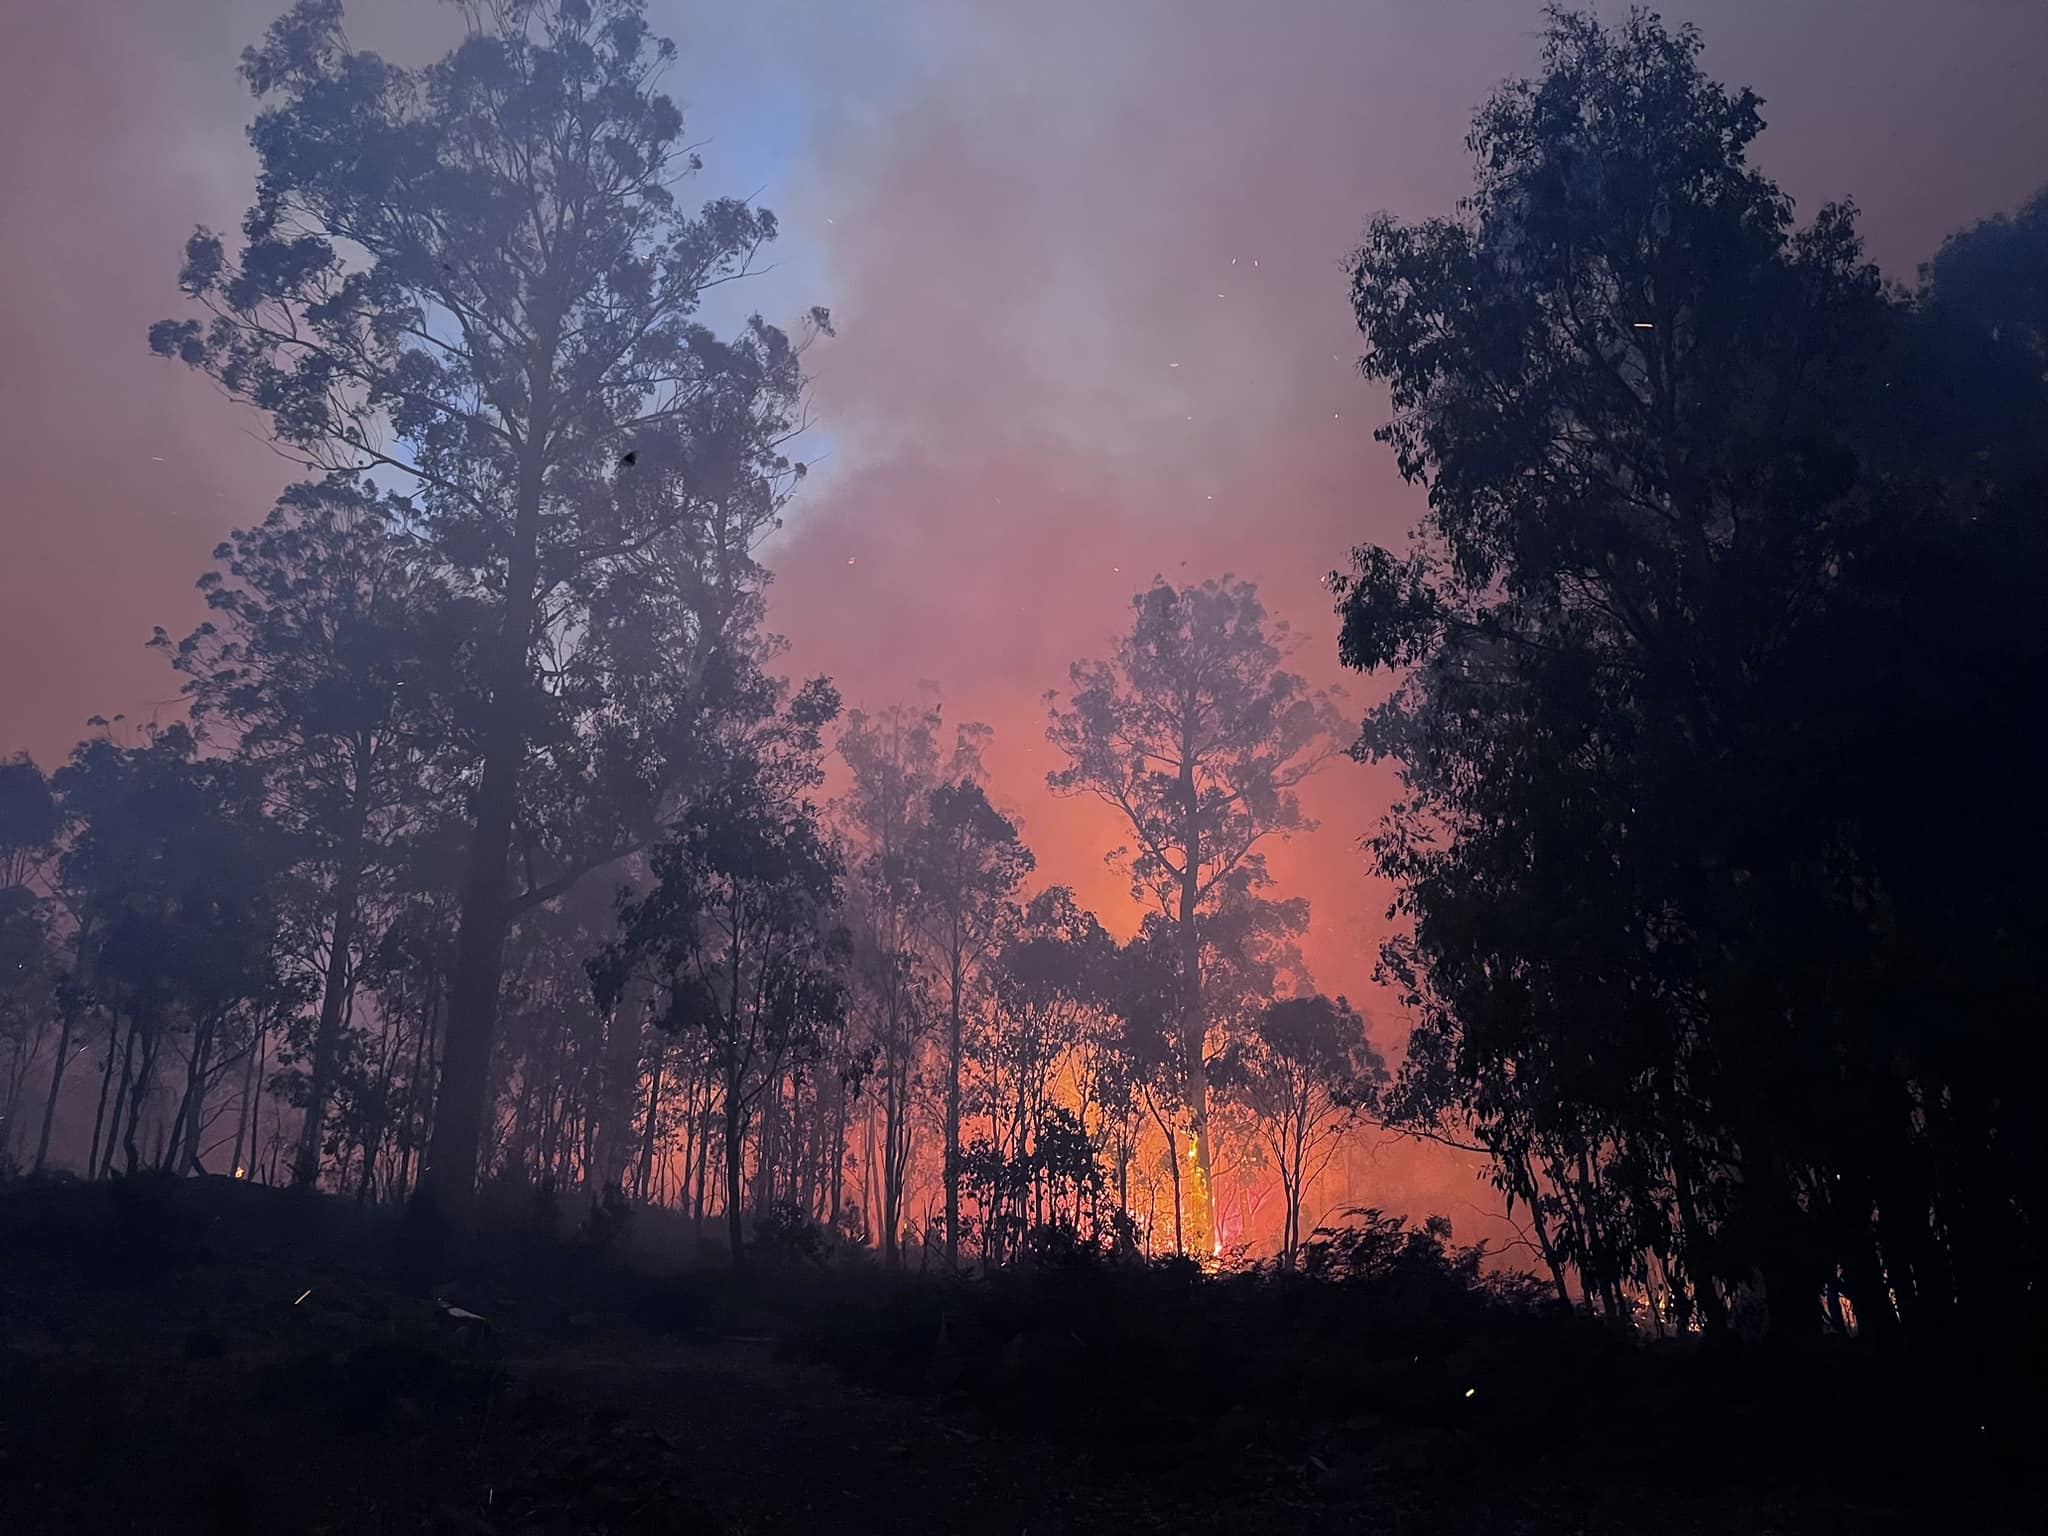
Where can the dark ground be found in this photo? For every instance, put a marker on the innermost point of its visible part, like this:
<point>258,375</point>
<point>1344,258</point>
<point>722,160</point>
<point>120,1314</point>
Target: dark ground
<point>159,1373</point>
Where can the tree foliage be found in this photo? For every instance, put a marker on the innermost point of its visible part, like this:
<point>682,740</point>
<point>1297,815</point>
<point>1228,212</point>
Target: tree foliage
<point>1668,721</point>
<point>1306,1071</point>
<point>1199,739</point>
<point>740,928</point>
<point>474,277</point>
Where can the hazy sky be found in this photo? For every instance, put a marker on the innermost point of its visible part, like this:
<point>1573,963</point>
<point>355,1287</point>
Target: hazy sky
<point>1085,261</point>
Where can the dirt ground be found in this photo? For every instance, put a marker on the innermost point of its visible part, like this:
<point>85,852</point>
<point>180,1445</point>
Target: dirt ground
<point>246,1364</point>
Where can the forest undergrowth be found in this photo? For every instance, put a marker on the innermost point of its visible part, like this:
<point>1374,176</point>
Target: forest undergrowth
<point>206,1355</point>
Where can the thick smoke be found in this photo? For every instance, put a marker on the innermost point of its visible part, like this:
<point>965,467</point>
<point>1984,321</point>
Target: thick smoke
<point>1086,264</point>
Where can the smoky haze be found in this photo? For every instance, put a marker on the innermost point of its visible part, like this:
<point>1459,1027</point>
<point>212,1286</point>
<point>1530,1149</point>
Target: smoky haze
<point>1085,263</point>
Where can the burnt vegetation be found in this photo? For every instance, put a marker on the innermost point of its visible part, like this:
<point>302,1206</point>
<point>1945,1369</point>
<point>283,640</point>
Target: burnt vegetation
<point>510,1059</point>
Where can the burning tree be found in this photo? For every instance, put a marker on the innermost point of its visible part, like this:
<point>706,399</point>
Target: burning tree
<point>1198,737</point>
<point>1305,1070</point>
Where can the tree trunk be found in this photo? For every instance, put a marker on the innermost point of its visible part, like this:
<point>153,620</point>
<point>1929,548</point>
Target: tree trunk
<point>235,1164</point>
<point>450,1176</point>
<point>449,1180</point>
<point>137,1094</point>
<point>334,991</point>
<point>694,1151</point>
<point>644,1183</point>
<point>1123,1190</point>
<point>1195,1022</point>
<point>185,1129</point>
<point>895,1160</point>
<point>366,1185</point>
<point>255,1098</point>
<point>411,1129</point>
<point>735,1146</point>
<point>1699,1265</point>
<point>837,1181</point>
<point>1180,1242</point>
<point>703,1171</point>
<point>870,1196</point>
<point>93,1168</point>
<point>619,1079</point>
<point>66,1015</point>
<point>953,1032</point>
<point>767,1145</point>
<point>1549,1250</point>
<point>1290,1203</point>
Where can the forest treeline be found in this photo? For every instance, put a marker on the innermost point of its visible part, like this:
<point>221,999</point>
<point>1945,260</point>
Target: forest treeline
<point>494,856</point>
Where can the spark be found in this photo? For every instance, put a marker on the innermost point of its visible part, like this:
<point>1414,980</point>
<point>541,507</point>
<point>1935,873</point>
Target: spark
<point>1233,261</point>
<point>303,1295</point>
<point>156,458</point>
<point>828,221</point>
<point>1255,261</point>
<point>1470,1390</point>
<point>1173,365</point>
<point>241,1172</point>
<point>851,558</point>
<point>1644,325</point>
<point>1219,295</point>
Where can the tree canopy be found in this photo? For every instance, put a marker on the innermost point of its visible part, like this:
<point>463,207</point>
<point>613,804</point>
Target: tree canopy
<point>1668,636</point>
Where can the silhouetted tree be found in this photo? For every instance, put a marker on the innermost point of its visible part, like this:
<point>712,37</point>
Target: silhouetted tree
<point>1049,979</point>
<point>28,824</point>
<point>1141,1057</point>
<point>1699,544</point>
<point>1198,737</point>
<point>29,965</point>
<point>513,329</point>
<point>738,930</point>
<point>1993,277</point>
<point>895,762</point>
<point>318,670</point>
<point>172,869</point>
<point>968,863</point>
<point>1306,1070</point>
<point>28,996</point>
